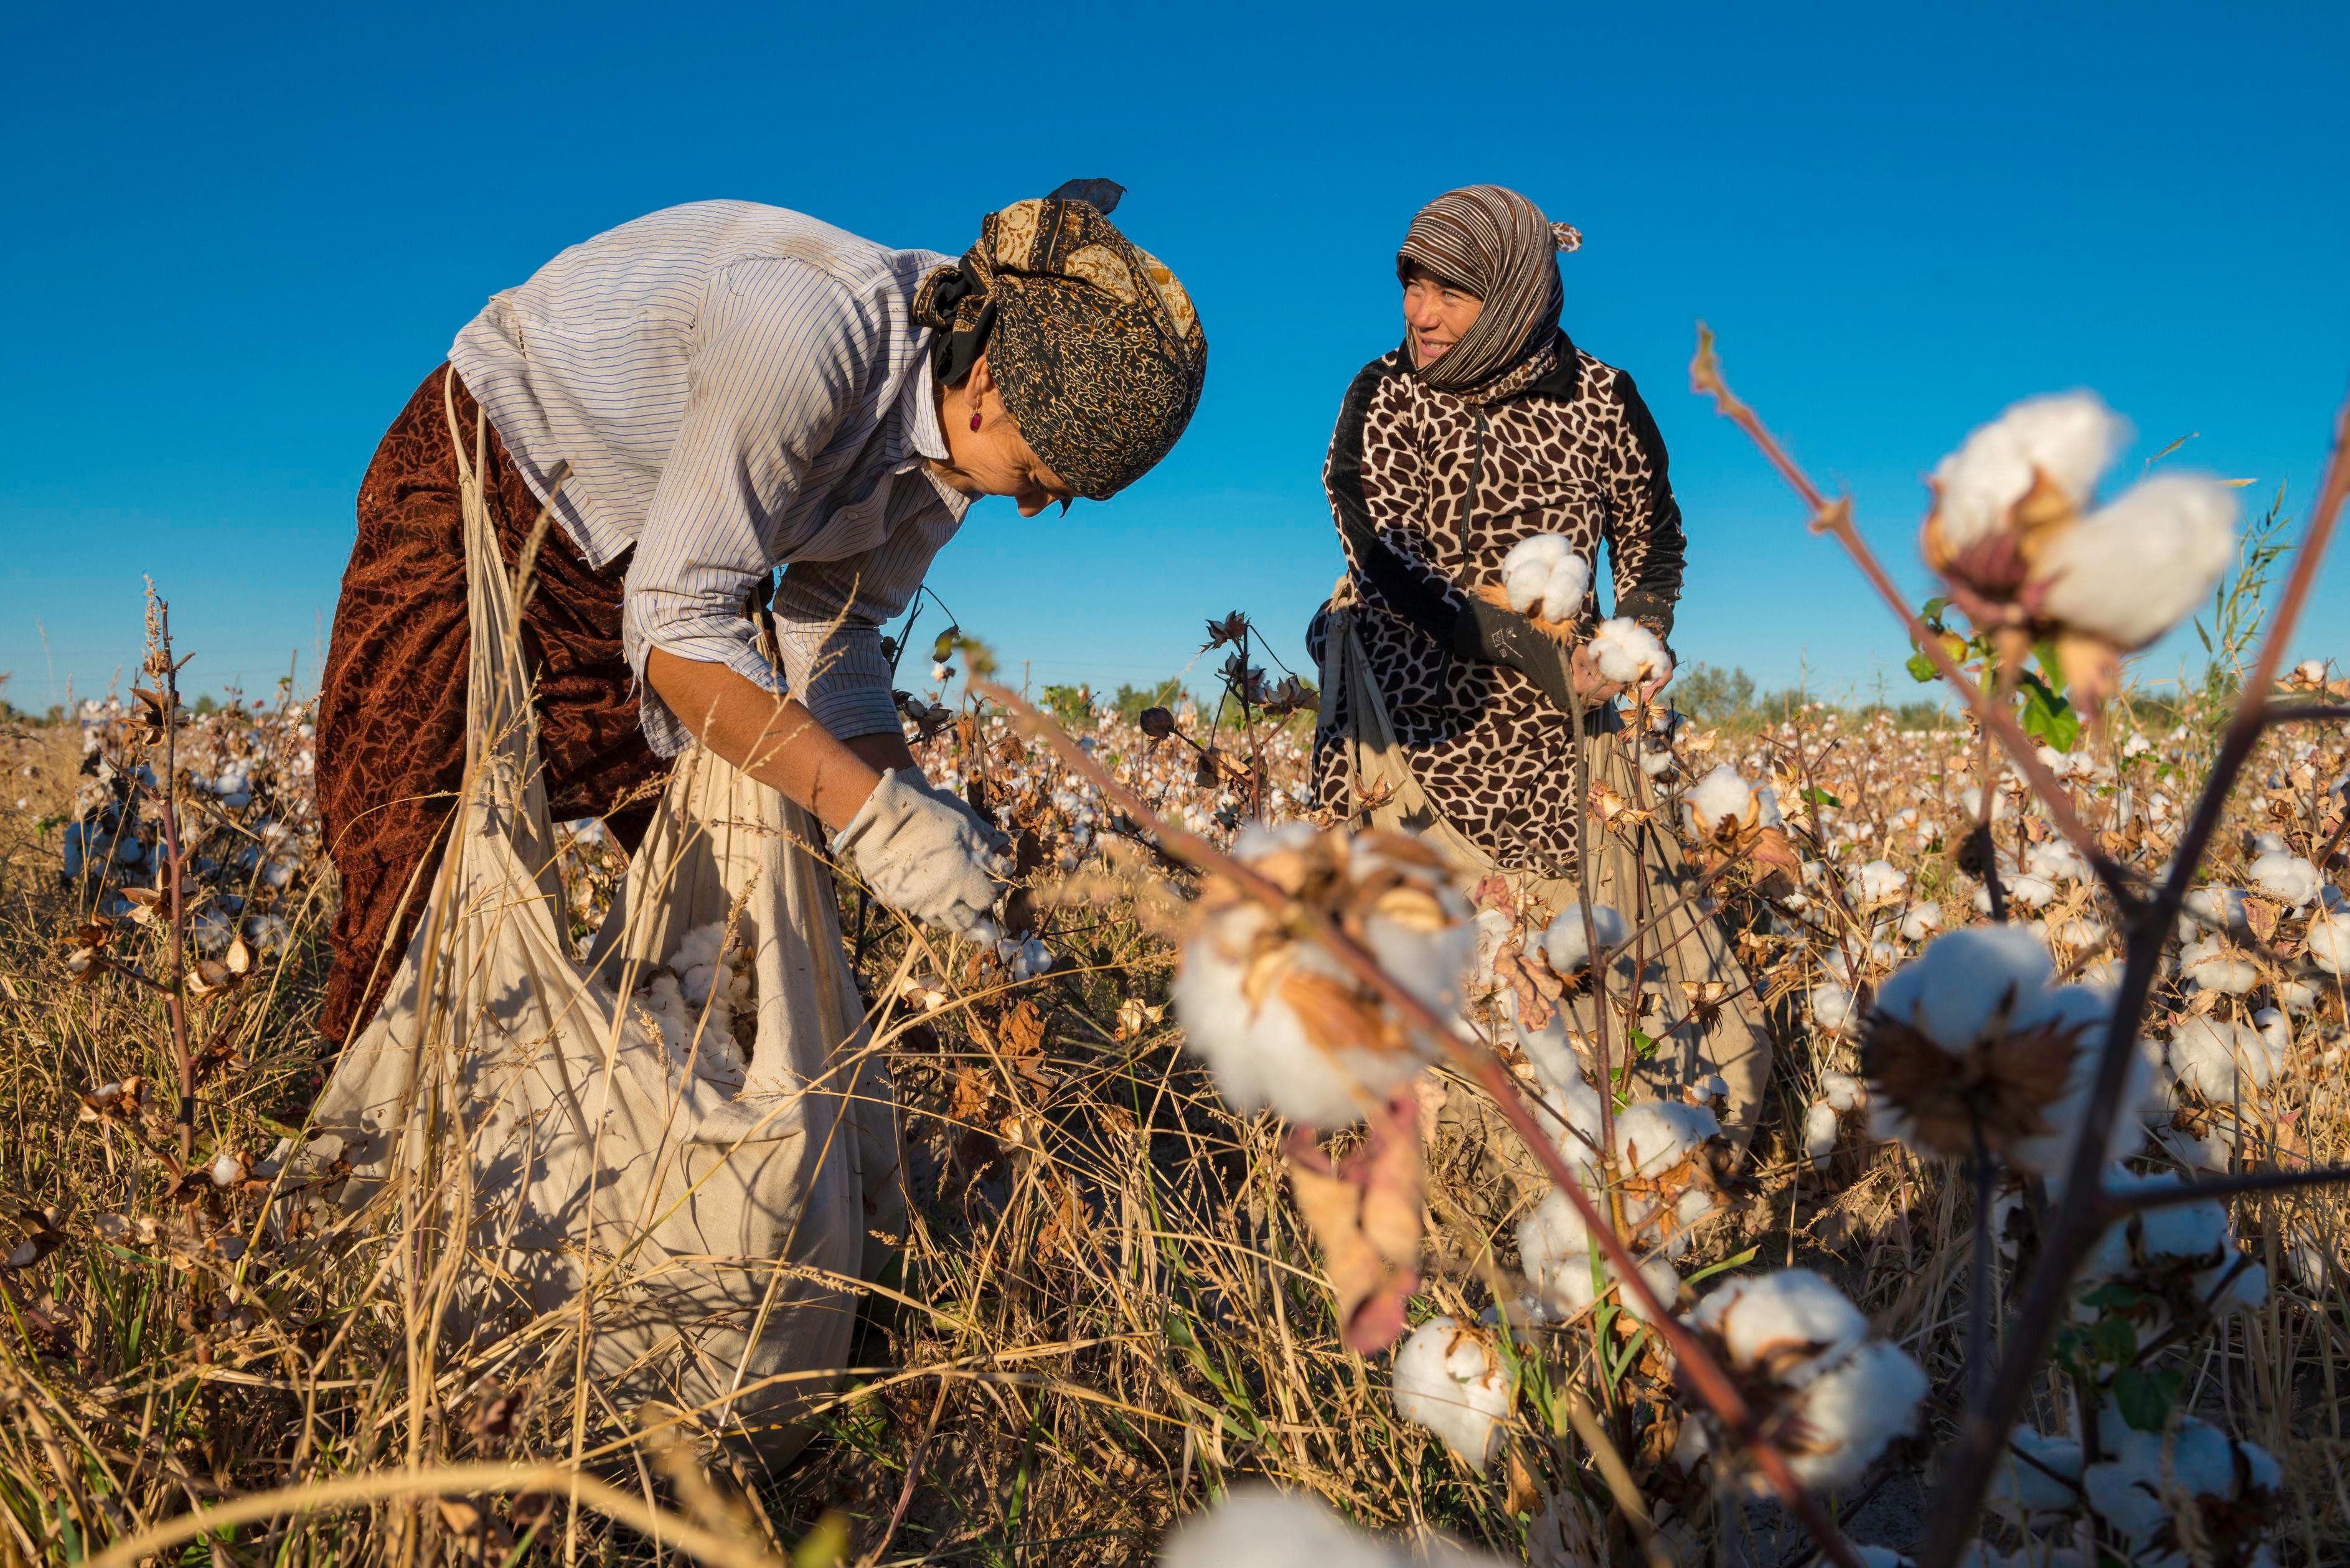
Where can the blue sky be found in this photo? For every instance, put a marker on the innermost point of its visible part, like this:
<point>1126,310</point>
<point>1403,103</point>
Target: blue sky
<point>240,236</point>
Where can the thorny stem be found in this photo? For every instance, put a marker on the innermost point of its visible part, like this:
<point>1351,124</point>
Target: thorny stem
<point>1705,1374</point>
<point>2082,1214</point>
<point>1835,518</point>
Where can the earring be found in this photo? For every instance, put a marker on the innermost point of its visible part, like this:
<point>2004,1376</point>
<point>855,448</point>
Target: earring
<point>974,421</point>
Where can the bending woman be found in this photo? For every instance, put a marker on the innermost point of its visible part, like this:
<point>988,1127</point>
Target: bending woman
<point>698,398</point>
<point>1443,711</point>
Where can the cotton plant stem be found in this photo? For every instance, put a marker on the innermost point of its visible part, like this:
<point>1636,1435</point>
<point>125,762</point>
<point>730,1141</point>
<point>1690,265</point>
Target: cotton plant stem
<point>1835,518</point>
<point>1705,1374</point>
<point>2082,1215</point>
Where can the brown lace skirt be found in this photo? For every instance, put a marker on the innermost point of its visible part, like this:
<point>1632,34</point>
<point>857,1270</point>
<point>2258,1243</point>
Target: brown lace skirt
<point>391,703</point>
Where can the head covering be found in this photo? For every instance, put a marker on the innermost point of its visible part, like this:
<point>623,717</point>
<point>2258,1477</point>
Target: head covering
<point>1095,344</point>
<point>1498,246</point>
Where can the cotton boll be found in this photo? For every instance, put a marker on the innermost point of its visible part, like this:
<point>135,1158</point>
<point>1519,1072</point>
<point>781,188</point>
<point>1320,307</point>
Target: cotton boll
<point>2031,892</point>
<point>2329,943</point>
<point>1562,597</point>
<point>1820,1134</point>
<point>2212,909</point>
<point>1720,798</point>
<point>1629,653</point>
<point>2154,1477</point>
<point>2288,878</point>
<point>1833,1007</point>
<point>1920,921</point>
<point>1566,941</point>
<point>1877,882</point>
<point>2030,1486</point>
<point>1545,550</point>
<point>2297,997</point>
<point>1957,989</point>
<point>1843,1093</point>
<point>2067,439</point>
<point>1451,1379</point>
<point>1756,1318</point>
<point>1522,584</point>
<point>2129,571</point>
<point>2083,1012</point>
<point>2056,861</point>
<point>1556,1249</point>
<point>1257,1527</point>
<point>1026,959</point>
<point>2222,1061</point>
<point>2213,965</point>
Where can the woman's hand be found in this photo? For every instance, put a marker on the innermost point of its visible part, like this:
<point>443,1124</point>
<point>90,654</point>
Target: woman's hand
<point>1594,688</point>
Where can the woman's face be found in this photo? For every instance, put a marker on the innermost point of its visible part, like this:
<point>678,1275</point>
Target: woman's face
<point>1437,313</point>
<point>994,459</point>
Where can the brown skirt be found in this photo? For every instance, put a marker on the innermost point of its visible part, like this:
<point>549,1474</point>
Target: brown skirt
<point>392,701</point>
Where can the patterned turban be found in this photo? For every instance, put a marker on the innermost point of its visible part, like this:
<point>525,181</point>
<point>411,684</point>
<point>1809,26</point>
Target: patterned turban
<point>1498,246</point>
<point>1095,347</point>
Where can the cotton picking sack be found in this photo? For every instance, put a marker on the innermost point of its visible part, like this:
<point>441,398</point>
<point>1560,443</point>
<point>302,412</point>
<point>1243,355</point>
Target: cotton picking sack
<point>589,1200</point>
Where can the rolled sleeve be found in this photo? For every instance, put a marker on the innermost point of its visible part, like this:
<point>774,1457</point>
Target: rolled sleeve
<point>784,350</point>
<point>829,615</point>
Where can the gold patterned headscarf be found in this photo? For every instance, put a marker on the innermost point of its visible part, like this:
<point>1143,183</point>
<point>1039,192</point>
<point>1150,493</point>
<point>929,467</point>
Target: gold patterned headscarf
<point>1095,347</point>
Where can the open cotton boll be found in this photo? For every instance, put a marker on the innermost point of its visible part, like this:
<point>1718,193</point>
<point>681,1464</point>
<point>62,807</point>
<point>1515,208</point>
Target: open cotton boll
<point>2329,943</point>
<point>1965,982</point>
<point>2029,1487</point>
<point>1561,595</point>
<point>2212,909</point>
<point>1451,1379</point>
<point>1832,1007</point>
<point>1820,1134</point>
<point>2067,438</point>
<point>1877,882</point>
<point>2085,1012</point>
<point>1843,1093</point>
<point>2221,1060</point>
<point>1555,1250</point>
<point>2153,1477</point>
<point>2130,570</point>
<point>1257,1527</point>
<point>2213,965</point>
<point>1567,944</point>
<point>2056,861</point>
<point>1629,653</point>
<point>1920,921</point>
<point>2286,877</point>
<point>1720,798</point>
<point>1544,550</point>
<point>1280,1023</point>
<point>1523,584</point>
<point>1801,1346</point>
<point>2180,1256</point>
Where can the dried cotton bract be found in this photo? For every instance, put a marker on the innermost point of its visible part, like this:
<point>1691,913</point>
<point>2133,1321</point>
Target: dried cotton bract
<point>1450,1380</point>
<point>2012,534</point>
<point>1829,1396</point>
<point>1279,1021</point>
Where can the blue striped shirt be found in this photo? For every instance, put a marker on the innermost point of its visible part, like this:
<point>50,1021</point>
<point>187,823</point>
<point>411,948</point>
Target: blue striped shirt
<point>731,388</point>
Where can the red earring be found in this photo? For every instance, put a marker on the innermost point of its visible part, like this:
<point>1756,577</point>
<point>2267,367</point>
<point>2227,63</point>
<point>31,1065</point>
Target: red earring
<point>974,421</point>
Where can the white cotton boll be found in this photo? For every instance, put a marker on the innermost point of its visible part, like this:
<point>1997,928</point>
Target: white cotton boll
<point>2138,1489</point>
<point>226,1171</point>
<point>1629,653</point>
<point>2029,1487</point>
<point>2222,1061</point>
<point>2221,909</point>
<point>2068,437</point>
<point>1522,584</point>
<point>1860,1406</point>
<point>2129,571</point>
<point>1655,1136</point>
<point>1920,921</point>
<point>1958,986</point>
<point>2288,878</point>
<point>1755,1317</point>
<point>2056,861</point>
<point>1877,882</point>
<point>2213,965</point>
<point>2297,997</point>
<point>1843,1092</point>
<point>211,932</point>
<point>267,934</point>
<point>2274,1028</point>
<point>1567,942</point>
<point>1544,550</point>
<point>1555,1250</point>
<point>1257,1527</point>
<point>1820,1134</point>
<point>2081,932</point>
<point>1452,1380</point>
<point>1561,595</point>
<point>2329,944</point>
<point>2031,892</point>
<point>1833,1007</point>
<point>1025,958</point>
<point>2085,1012</point>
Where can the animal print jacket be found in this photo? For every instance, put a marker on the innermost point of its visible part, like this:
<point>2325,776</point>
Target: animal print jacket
<point>1576,453</point>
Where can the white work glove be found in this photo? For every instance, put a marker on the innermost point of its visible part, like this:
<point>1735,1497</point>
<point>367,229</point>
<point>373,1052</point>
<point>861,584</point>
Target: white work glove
<point>925,853</point>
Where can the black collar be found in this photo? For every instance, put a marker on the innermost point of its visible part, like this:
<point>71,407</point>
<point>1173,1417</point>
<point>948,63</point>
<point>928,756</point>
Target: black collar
<point>1560,384</point>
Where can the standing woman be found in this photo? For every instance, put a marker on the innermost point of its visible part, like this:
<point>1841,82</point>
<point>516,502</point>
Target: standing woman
<point>1485,428</point>
<point>676,409</point>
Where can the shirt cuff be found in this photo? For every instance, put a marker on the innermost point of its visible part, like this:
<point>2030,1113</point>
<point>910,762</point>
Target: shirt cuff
<point>839,675</point>
<point>727,641</point>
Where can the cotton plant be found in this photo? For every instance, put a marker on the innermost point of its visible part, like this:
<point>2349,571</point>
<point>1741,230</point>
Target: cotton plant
<point>1280,1023</point>
<point>2016,535</point>
<point>1567,1272</point>
<point>1626,653</point>
<point>2187,1497</point>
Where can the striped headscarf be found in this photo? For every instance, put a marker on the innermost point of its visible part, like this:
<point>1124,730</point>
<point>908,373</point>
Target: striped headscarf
<point>1498,246</point>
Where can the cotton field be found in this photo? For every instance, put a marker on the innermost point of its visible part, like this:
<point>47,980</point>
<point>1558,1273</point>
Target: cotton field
<point>1276,1193</point>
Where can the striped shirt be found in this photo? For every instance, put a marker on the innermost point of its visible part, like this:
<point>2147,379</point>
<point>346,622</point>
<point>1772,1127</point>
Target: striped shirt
<point>731,388</point>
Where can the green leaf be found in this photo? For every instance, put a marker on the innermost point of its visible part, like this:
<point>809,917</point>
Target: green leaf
<point>1740,1261</point>
<point>1642,1046</point>
<point>1819,796</point>
<point>2112,1294</point>
<point>1931,611</point>
<point>945,644</point>
<point>2048,718</point>
<point>2050,664</point>
<point>2144,1397</point>
<point>1921,669</point>
<point>2113,1341</point>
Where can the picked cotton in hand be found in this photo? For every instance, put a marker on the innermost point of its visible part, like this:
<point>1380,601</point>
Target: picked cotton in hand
<point>1629,654</point>
<point>1543,575</point>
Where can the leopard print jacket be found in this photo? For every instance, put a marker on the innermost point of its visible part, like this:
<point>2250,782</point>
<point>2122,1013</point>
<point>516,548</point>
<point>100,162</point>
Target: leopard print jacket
<point>1576,453</point>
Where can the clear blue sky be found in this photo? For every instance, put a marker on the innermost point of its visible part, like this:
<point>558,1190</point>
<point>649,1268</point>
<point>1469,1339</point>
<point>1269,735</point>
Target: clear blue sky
<point>240,236</point>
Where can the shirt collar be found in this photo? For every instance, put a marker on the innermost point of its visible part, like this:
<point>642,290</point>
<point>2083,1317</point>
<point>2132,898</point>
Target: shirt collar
<point>918,409</point>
